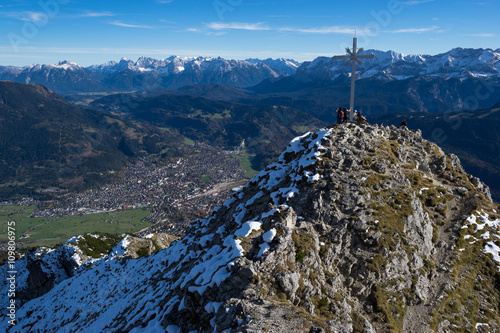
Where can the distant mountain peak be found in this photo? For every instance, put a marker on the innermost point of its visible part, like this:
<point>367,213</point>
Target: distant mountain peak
<point>67,65</point>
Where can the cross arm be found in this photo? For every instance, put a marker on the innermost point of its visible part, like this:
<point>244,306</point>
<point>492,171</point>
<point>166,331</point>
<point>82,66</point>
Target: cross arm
<point>342,57</point>
<point>368,56</point>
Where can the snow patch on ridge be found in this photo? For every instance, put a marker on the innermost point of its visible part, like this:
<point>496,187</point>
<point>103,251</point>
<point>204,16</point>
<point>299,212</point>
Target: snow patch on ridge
<point>121,248</point>
<point>309,150</point>
<point>481,221</point>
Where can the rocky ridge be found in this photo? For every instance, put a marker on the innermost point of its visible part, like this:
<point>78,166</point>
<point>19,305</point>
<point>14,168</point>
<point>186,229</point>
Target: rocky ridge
<point>353,229</point>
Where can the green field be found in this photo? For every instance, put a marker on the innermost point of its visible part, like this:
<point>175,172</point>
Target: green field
<point>304,129</point>
<point>188,142</point>
<point>50,231</point>
<point>206,178</point>
<point>246,164</point>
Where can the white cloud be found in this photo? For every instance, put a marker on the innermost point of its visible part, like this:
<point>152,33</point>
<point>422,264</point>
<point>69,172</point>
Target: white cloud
<point>480,35</point>
<point>415,2</point>
<point>221,26</point>
<point>263,27</point>
<point>237,26</point>
<point>97,14</point>
<point>278,16</point>
<point>126,25</point>
<point>206,32</point>
<point>167,21</point>
<point>322,30</point>
<point>35,17</point>
<point>412,30</point>
<point>215,33</point>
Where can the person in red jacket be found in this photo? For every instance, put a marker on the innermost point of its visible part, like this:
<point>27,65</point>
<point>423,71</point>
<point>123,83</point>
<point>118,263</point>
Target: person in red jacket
<point>340,116</point>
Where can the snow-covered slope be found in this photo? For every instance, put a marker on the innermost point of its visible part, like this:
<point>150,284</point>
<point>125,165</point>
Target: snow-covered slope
<point>343,228</point>
<point>41,270</point>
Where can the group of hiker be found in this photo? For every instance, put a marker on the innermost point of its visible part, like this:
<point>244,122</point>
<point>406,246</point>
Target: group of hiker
<point>343,116</point>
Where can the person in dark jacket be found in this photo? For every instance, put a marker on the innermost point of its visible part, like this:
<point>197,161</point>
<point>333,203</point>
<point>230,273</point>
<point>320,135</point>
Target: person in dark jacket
<point>340,116</point>
<point>404,124</point>
<point>360,119</point>
<point>346,116</point>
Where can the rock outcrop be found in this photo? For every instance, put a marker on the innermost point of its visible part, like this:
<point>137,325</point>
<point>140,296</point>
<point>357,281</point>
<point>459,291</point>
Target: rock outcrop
<point>353,229</point>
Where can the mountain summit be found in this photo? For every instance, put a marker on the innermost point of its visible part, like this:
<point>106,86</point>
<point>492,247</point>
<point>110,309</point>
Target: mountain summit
<point>353,229</point>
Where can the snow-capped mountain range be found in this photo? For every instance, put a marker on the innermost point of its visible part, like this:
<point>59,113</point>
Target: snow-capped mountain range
<point>175,72</point>
<point>391,65</point>
<point>288,66</point>
<point>148,73</point>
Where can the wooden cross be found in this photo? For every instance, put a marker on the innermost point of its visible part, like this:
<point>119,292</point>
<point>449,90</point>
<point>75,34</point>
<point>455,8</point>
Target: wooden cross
<point>353,59</point>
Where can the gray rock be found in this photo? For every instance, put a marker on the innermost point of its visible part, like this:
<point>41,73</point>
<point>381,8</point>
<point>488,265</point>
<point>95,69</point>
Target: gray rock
<point>381,165</point>
<point>334,326</point>
<point>418,228</point>
<point>439,166</point>
<point>443,325</point>
<point>289,282</point>
<point>368,327</point>
<point>481,187</point>
<point>462,190</point>
<point>422,288</point>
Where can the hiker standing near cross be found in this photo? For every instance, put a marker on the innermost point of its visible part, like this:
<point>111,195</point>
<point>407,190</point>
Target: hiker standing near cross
<point>353,59</point>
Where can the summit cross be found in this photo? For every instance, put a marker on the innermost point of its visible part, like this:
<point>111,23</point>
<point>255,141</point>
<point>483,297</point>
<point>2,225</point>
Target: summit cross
<point>352,57</point>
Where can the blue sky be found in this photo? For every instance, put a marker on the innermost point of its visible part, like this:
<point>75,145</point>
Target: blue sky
<point>92,32</point>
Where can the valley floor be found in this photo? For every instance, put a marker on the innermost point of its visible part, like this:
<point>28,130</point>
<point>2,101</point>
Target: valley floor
<point>150,196</point>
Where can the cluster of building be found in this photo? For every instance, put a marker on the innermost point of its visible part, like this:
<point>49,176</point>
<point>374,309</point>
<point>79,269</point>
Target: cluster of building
<point>176,192</point>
